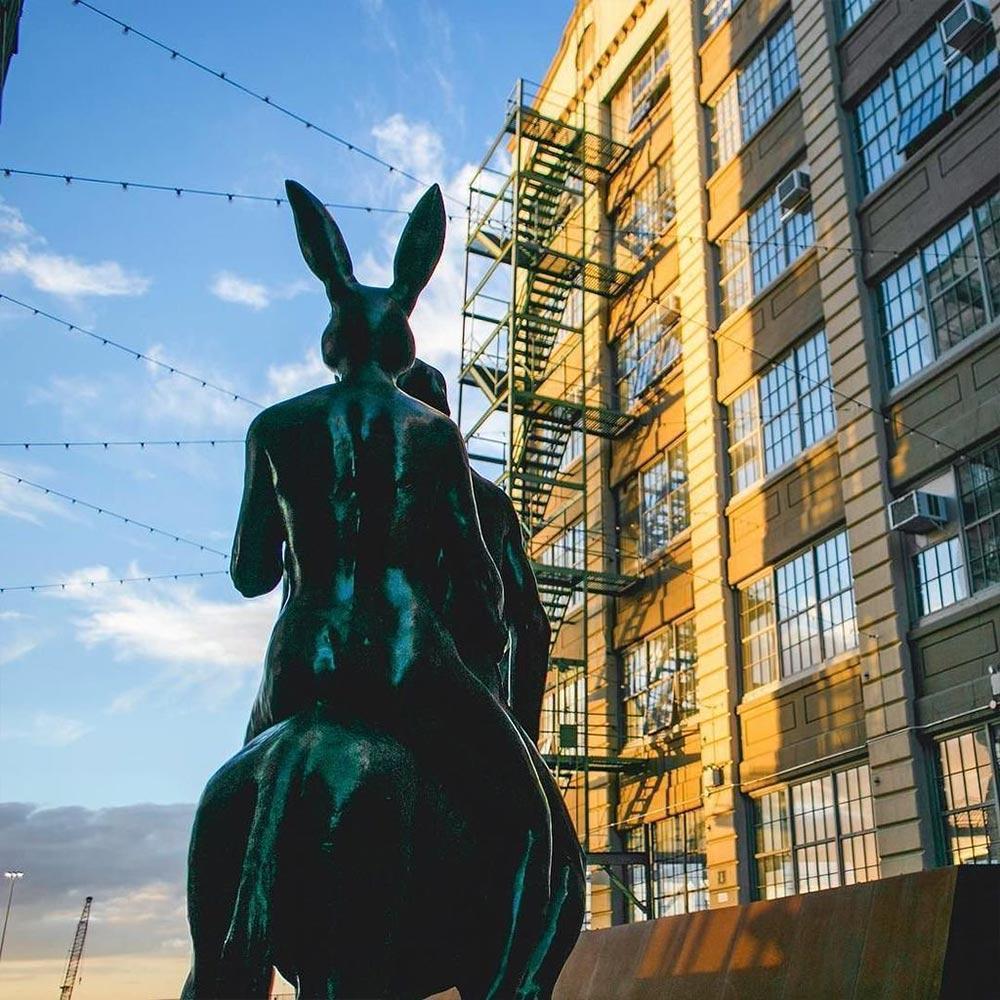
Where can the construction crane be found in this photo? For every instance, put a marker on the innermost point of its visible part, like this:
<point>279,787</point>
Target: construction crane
<point>76,952</point>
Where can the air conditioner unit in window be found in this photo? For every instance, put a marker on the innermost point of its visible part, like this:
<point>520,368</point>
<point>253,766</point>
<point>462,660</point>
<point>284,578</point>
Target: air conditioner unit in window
<point>793,190</point>
<point>962,26</point>
<point>918,512</point>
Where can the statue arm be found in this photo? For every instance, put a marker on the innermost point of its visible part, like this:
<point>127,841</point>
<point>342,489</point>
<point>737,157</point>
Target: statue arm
<point>530,632</point>
<point>474,584</point>
<point>255,565</point>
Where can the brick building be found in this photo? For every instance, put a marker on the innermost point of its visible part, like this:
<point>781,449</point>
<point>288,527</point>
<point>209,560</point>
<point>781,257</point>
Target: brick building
<point>730,342</point>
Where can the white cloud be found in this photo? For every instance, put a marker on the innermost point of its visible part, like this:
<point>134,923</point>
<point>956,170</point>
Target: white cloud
<point>50,730</point>
<point>15,648</point>
<point>26,503</point>
<point>298,376</point>
<point>12,223</point>
<point>198,644</point>
<point>232,288</point>
<point>66,276</point>
<point>56,273</point>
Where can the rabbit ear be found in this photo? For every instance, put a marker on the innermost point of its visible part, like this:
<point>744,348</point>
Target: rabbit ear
<point>419,249</point>
<point>321,241</point>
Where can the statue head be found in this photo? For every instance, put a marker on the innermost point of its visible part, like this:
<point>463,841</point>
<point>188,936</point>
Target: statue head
<point>369,324</point>
<point>424,382</point>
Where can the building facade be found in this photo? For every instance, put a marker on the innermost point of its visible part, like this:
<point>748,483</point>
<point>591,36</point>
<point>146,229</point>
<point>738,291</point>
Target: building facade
<point>731,343</point>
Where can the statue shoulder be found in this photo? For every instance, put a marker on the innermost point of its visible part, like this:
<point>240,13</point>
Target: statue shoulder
<point>292,411</point>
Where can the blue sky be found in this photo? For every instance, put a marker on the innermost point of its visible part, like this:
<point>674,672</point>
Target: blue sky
<point>117,696</point>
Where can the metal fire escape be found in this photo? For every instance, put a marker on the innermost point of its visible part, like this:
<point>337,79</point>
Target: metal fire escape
<point>530,382</point>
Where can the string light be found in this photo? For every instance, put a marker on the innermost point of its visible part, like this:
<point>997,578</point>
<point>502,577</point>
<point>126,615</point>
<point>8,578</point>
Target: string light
<point>76,501</point>
<point>136,354</point>
<point>175,54</point>
<point>178,190</point>
<point>173,443</point>
<point>70,584</point>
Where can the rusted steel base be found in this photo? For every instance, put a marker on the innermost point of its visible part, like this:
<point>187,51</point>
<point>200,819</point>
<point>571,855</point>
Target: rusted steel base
<point>930,934</point>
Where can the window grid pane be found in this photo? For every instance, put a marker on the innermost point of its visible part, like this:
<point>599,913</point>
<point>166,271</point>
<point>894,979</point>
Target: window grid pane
<point>736,282</point>
<point>954,284</point>
<point>988,227</point>
<point>658,680</point>
<point>817,834</point>
<point>794,411</point>
<point>643,353</point>
<point>905,330</point>
<point>757,632</point>
<point>663,501</point>
<point>836,594</point>
<point>979,485</point>
<point>966,770</point>
<point>875,132</point>
<point>745,448</point>
<point>812,601</point>
<point>914,98</point>
<point>817,864</point>
<point>779,412</point>
<point>851,11</point>
<point>798,615</point>
<point>940,576</point>
<point>857,824</point>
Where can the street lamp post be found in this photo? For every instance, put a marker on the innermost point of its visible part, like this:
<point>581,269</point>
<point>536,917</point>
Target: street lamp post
<point>13,877</point>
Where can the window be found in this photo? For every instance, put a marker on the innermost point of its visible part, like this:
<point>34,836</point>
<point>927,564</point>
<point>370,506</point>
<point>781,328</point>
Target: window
<point>759,247</point>
<point>851,11</point>
<point>652,509</point>
<point>573,451</point>
<point>799,614</point>
<point>644,353</point>
<point>676,868</point>
<point>940,576</point>
<point>944,293</point>
<point>635,98</point>
<point>783,412</point>
<point>968,768</point>
<point>962,557</point>
<point>718,11</point>
<point>815,834</point>
<point>561,726</point>
<point>979,493</point>
<point>649,211</point>
<point>751,96</point>
<point>663,500</point>
<point>566,550</point>
<point>915,99</point>
<point>658,680</point>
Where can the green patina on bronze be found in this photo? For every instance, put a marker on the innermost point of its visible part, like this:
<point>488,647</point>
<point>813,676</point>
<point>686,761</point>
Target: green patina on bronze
<point>388,830</point>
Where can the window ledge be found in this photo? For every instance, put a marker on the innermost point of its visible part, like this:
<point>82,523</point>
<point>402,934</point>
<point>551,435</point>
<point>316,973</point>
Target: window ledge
<point>942,362</point>
<point>713,178</point>
<point>845,33</point>
<point>800,261</point>
<point>647,563</point>
<point>786,685</point>
<point>667,736</point>
<point>762,485</point>
<point>956,612</point>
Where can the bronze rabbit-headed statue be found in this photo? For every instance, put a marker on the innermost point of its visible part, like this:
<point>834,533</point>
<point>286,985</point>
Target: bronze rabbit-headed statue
<point>384,832</point>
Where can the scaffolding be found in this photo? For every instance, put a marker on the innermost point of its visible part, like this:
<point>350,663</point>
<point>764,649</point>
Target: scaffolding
<point>532,394</point>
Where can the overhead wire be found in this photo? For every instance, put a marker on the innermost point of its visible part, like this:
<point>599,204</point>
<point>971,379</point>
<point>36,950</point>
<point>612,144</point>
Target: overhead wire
<point>138,355</point>
<point>76,501</point>
<point>172,442</point>
<point>71,584</point>
<point>179,189</point>
<point>177,54</point>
